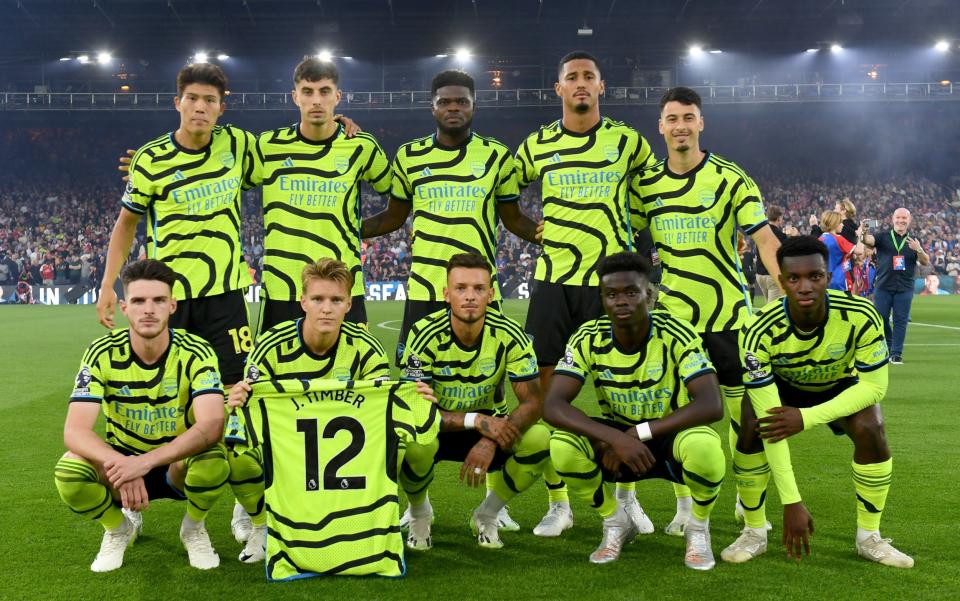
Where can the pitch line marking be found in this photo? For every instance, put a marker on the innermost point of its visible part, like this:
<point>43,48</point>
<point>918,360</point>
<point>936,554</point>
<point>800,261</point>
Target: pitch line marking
<point>934,325</point>
<point>383,324</point>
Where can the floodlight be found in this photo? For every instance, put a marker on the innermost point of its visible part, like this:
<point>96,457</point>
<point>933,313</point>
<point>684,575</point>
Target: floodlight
<point>325,55</point>
<point>201,57</point>
<point>104,57</point>
<point>222,57</point>
<point>83,59</point>
<point>836,48</point>
<point>942,46</point>
<point>462,54</point>
<point>716,52</point>
<point>812,50</point>
<point>65,58</point>
<point>696,50</point>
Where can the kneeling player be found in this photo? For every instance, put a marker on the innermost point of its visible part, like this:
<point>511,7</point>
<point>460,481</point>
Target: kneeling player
<point>319,345</point>
<point>160,392</point>
<point>464,353</point>
<point>816,357</point>
<point>657,391</point>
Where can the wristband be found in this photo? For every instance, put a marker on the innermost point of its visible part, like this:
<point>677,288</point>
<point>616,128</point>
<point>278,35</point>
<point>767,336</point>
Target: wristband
<point>643,432</point>
<point>469,421</point>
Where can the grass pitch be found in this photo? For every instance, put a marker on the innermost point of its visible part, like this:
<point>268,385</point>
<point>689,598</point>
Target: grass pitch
<point>49,549</point>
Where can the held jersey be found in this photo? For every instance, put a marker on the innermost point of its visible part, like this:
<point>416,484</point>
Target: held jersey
<point>146,406</point>
<point>311,202</point>
<point>454,192</point>
<point>642,385</point>
<point>466,378</point>
<point>693,219</point>
<point>281,353</point>
<point>849,342</point>
<point>585,181</point>
<point>192,202</point>
<point>330,452</point>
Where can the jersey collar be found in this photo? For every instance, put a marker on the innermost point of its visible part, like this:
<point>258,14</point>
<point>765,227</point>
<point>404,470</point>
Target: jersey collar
<point>324,142</point>
<point>331,353</point>
<point>178,146</point>
<point>159,362</point>
<point>642,348</point>
<point>688,174</point>
<point>589,132</point>
<point>463,144</point>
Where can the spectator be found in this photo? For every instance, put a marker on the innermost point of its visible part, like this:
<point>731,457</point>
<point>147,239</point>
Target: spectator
<point>840,249</point>
<point>897,255</point>
<point>767,286</point>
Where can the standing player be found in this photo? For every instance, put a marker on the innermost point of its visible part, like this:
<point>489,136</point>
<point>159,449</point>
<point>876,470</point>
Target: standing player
<point>160,393</point>
<point>584,163</point>
<point>188,183</point>
<point>458,184</point>
<point>310,173</point>
<point>693,202</point>
<point>817,357</point>
<point>658,393</point>
<point>319,345</point>
<point>465,352</point>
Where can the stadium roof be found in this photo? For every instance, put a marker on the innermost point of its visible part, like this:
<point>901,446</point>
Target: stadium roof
<point>381,29</point>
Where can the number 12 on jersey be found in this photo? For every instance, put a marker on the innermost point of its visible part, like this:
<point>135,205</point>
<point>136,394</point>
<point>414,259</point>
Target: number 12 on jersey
<point>311,453</point>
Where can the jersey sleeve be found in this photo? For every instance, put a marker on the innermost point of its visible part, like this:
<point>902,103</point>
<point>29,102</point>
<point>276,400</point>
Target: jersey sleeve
<point>89,382</point>
<point>253,176</point>
<point>250,161</point>
<point>522,361</point>
<point>417,362</point>
<point>691,360</point>
<point>644,157</point>
<point>258,364</point>
<point>416,420</point>
<point>576,358</point>
<point>138,194</point>
<point>374,364</point>
<point>377,171</point>
<point>526,170</point>
<point>748,205</point>
<point>638,217</point>
<point>508,190</point>
<point>758,380</point>
<point>205,376</point>
<point>400,187</point>
<point>871,351</point>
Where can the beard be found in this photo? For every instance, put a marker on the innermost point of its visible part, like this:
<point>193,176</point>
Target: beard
<point>582,108</point>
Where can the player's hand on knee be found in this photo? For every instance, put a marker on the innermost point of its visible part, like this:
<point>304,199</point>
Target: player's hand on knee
<point>124,166</point>
<point>477,462</point>
<point>133,495</point>
<point>632,453</point>
<point>781,423</point>
<point>239,393</point>
<point>123,469</point>
<point>797,530</point>
<point>106,305</point>
<point>426,391</point>
<point>499,430</point>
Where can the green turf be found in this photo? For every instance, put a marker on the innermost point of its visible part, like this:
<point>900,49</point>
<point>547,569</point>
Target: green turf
<point>49,549</point>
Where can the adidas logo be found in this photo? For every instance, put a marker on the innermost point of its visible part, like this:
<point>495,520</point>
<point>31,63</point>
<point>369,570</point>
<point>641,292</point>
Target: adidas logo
<point>607,374</point>
<point>658,202</point>
<point>288,162</point>
<point>179,176</point>
<point>125,391</point>
<point>555,158</point>
<point>426,172</point>
<point>446,371</point>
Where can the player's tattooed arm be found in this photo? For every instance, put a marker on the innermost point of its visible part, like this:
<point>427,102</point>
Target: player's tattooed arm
<point>530,404</point>
<point>451,421</point>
